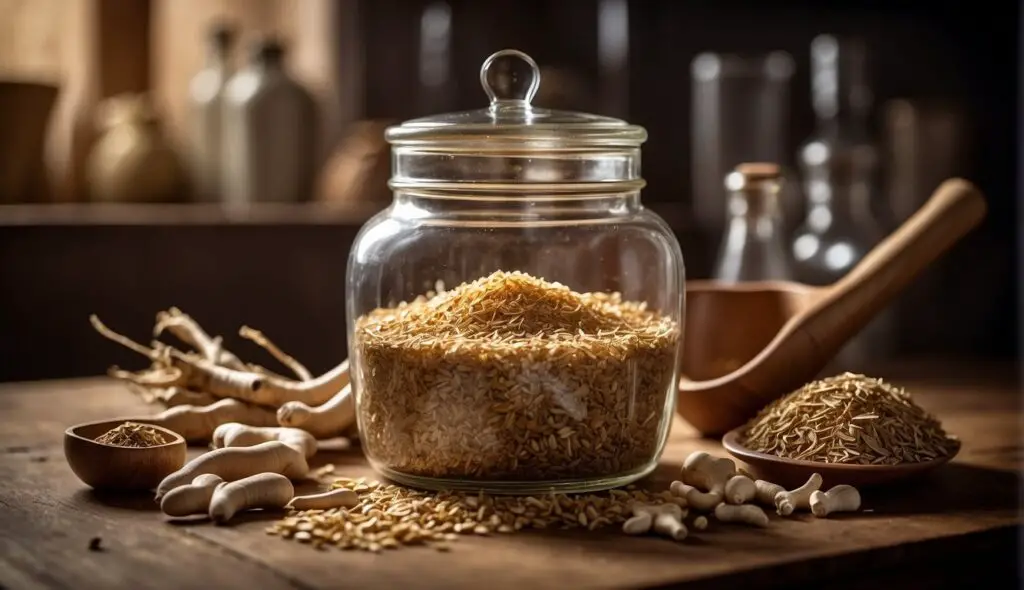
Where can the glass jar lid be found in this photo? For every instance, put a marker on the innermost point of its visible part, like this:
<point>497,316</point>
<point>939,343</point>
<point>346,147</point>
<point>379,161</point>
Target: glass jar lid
<point>513,144</point>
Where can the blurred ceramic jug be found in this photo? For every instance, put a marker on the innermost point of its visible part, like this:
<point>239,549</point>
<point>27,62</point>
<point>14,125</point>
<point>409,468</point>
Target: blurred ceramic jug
<point>132,161</point>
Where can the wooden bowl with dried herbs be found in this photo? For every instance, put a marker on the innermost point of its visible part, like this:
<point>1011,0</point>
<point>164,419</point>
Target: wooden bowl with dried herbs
<point>850,428</point>
<point>123,455</point>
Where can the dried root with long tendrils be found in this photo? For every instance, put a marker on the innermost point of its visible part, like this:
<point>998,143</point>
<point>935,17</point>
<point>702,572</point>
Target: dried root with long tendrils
<point>208,374</point>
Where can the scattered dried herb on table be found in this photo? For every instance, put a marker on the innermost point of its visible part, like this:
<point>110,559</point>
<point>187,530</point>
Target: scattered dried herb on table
<point>133,434</point>
<point>391,516</point>
<point>849,418</point>
<point>514,378</point>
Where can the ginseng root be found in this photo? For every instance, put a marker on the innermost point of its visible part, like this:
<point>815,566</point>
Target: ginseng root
<point>198,373</point>
<point>234,463</point>
<point>184,328</point>
<point>339,498</point>
<point>287,360</point>
<point>179,396</point>
<point>234,434</point>
<point>196,424</point>
<point>329,420</point>
<point>193,498</point>
<point>263,490</point>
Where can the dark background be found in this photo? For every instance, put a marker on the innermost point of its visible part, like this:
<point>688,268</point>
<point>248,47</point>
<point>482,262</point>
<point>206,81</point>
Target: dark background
<point>284,274</point>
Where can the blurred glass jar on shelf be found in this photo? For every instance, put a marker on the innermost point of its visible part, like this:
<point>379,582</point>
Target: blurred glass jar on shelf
<point>839,165</point>
<point>925,142</point>
<point>206,105</point>
<point>534,364</point>
<point>132,161</point>
<point>269,134</point>
<point>753,247</point>
<point>740,113</point>
<point>25,111</point>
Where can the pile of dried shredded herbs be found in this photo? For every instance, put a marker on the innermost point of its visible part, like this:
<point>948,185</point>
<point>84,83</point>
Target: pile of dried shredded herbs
<point>849,418</point>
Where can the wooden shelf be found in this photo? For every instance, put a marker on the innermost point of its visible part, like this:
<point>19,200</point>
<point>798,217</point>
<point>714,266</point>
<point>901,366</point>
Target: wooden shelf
<point>187,214</point>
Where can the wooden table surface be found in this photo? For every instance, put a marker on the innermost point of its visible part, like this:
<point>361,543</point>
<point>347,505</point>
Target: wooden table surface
<point>958,527</point>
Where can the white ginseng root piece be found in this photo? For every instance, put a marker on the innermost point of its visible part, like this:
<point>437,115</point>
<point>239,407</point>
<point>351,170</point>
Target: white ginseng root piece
<point>766,492</point>
<point>841,498</point>
<point>740,489</point>
<point>664,519</point>
<point>696,499</point>
<point>263,490</point>
<point>233,434</point>
<point>708,473</point>
<point>196,424</point>
<point>179,396</point>
<point>638,524</point>
<point>800,498</point>
<point>328,420</point>
<point>339,498</point>
<point>746,514</point>
<point>193,498</point>
<point>235,463</point>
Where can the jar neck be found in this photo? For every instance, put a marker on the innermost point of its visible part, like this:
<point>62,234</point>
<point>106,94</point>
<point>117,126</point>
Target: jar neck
<point>514,208</point>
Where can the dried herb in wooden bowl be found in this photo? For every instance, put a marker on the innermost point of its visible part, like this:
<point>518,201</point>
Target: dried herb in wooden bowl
<point>849,418</point>
<point>133,434</point>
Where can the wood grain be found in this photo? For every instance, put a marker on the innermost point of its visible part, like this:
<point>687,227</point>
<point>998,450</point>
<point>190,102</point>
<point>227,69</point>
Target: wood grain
<point>920,533</point>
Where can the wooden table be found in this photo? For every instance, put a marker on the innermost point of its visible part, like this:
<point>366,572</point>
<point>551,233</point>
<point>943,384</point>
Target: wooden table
<point>957,528</point>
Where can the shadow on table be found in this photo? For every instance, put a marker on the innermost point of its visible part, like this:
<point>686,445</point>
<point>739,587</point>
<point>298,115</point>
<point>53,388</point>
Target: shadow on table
<point>141,501</point>
<point>955,487</point>
<point>262,515</point>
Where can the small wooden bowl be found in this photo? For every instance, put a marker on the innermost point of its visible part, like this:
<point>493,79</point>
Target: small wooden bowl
<point>791,473</point>
<point>110,467</point>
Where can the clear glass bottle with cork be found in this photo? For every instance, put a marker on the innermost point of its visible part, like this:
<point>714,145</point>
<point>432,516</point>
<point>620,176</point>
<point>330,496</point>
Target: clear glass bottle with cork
<point>753,248</point>
<point>839,166</point>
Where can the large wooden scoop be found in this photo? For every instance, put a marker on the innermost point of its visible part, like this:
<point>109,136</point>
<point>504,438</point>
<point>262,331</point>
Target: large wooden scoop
<point>748,344</point>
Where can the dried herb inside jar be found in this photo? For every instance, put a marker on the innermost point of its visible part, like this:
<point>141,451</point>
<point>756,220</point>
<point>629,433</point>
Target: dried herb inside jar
<point>511,377</point>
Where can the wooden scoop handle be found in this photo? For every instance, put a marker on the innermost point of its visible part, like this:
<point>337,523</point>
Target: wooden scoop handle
<point>955,208</point>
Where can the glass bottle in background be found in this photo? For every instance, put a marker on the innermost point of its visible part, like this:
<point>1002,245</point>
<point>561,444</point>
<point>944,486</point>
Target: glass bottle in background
<point>740,113</point>
<point>205,92</point>
<point>753,247</point>
<point>269,141</point>
<point>839,166</point>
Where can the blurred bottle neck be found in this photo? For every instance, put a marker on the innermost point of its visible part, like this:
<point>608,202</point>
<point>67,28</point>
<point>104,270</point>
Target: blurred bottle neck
<point>840,88</point>
<point>753,246</point>
<point>839,180</point>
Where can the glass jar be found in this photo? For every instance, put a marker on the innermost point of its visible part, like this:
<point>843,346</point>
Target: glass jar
<point>515,314</point>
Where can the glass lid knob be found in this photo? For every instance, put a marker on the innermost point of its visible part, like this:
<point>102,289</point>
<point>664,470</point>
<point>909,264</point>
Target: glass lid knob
<point>510,77</point>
